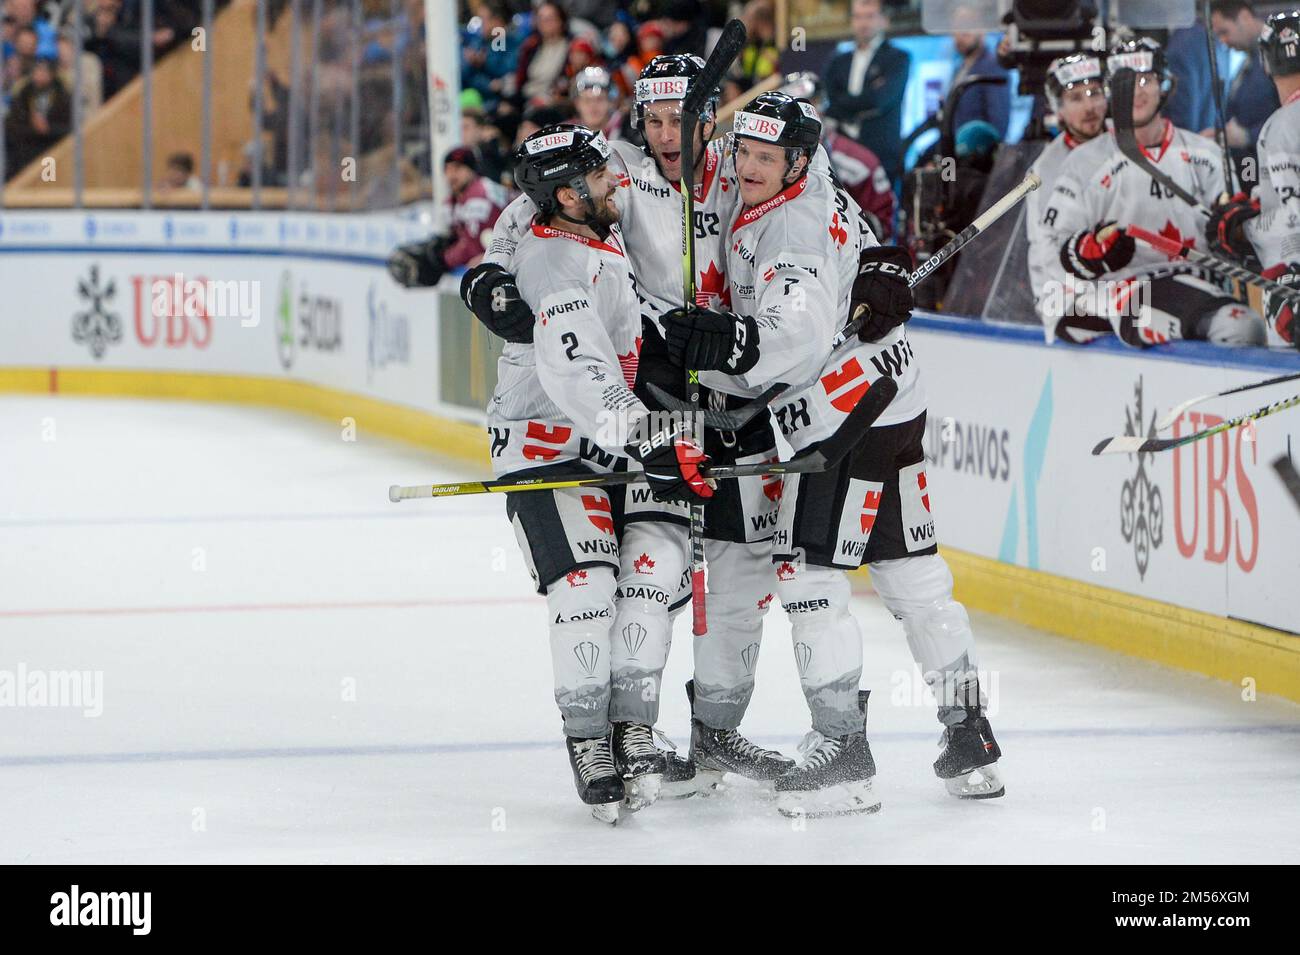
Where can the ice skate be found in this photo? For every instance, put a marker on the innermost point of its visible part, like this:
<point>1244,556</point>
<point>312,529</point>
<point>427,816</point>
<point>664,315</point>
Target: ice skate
<point>598,782</point>
<point>640,764</point>
<point>968,763</point>
<point>715,751</point>
<point>833,778</point>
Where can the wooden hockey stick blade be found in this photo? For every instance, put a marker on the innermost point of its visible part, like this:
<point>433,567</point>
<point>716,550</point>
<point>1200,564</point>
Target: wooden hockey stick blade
<point>717,418</point>
<point>1122,86</point>
<point>1168,420</point>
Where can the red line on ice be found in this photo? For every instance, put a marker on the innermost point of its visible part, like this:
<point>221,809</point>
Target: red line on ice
<point>258,608</point>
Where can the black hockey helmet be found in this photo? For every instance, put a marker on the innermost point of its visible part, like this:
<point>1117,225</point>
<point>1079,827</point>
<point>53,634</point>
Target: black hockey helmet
<point>555,157</point>
<point>1279,44</point>
<point>667,77</point>
<point>780,119</point>
<point>1141,55</point>
<point>1073,70</point>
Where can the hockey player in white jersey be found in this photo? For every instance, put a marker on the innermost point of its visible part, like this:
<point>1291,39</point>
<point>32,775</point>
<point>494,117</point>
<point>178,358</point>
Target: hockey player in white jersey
<point>741,516</point>
<point>1265,228</point>
<point>565,401</point>
<point>1076,91</point>
<point>1146,299</point>
<point>796,267</point>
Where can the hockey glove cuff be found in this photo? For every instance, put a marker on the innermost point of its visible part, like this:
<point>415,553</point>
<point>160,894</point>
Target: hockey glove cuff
<point>882,292</point>
<point>703,339</point>
<point>1091,254</point>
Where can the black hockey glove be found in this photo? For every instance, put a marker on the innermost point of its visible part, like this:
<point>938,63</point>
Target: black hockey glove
<point>418,264</point>
<point>882,292</point>
<point>702,339</point>
<point>1283,316</point>
<point>489,292</point>
<point>672,464</point>
<point>1224,229</point>
<point>1091,254</point>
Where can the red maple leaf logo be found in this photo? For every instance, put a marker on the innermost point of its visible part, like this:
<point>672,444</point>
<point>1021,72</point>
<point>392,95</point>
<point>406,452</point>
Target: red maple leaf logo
<point>643,564</point>
<point>765,602</point>
<point>837,230</point>
<point>576,578</point>
<point>711,283</point>
<point>1170,231</point>
<point>785,571</point>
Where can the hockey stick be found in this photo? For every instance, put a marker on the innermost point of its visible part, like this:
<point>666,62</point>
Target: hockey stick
<point>737,418</point>
<point>1130,443</point>
<point>1122,87</point>
<point>1220,132</point>
<point>724,53</point>
<point>1213,263</point>
<point>981,224</point>
<point>1172,416</point>
<point>824,455</point>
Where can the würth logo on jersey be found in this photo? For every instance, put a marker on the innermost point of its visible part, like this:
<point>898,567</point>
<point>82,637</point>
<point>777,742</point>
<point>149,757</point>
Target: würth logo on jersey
<point>1141,506</point>
<point>551,441</point>
<point>846,385</point>
<point>870,510</point>
<point>838,231</point>
<point>598,512</point>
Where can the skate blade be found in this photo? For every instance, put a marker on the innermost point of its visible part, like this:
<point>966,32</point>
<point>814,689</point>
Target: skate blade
<point>982,783</point>
<point>641,791</point>
<point>606,812</point>
<point>704,783</point>
<point>842,799</point>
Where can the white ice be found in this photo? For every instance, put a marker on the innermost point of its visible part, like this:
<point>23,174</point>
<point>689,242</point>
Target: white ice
<point>295,670</point>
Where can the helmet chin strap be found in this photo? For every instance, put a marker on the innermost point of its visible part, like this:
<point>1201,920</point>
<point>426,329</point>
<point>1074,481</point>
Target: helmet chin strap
<point>589,221</point>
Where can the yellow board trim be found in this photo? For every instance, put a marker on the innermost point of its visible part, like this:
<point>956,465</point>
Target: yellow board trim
<point>1174,636</point>
<point>1231,650</point>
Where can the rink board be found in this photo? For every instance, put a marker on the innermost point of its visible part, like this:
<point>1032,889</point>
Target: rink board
<point>1160,557</point>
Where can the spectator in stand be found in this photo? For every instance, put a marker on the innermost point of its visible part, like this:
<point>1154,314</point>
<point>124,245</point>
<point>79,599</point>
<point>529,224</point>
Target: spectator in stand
<point>479,135</point>
<point>594,100</point>
<point>115,44</point>
<point>178,174</point>
<point>865,85</point>
<point>990,103</point>
<point>582,54</point>
<point>760,58</point>
<point>539,78</point>
<point>490,53</point>
<point>92,73</point>
<point>620,50</point>
<point>539,117</point>
<point>1252,95</point>
<point>472,209</point>
<point>685,26</point>
<point>23,15</point>
<point>1191,102</point>
<point>39,115</point>
<point>24,53</point>
<point>650,43</point>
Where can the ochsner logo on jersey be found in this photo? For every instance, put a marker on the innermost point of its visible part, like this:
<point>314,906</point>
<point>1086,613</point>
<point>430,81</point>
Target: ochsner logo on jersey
<point>671,87</point>
<point>759,127</point>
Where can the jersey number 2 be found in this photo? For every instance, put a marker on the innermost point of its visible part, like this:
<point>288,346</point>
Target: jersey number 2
<point>571,340</point>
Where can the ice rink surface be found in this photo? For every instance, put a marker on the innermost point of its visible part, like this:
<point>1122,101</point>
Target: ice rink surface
<point>295,670</point>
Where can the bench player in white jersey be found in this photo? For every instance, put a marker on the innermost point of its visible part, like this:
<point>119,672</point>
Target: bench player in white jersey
<point>566,401</point>
<point>1265,228</point>
<point>795,267</point>
<point>1147,299</point>
<point>741,516</point>
<point>1076,91</point>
